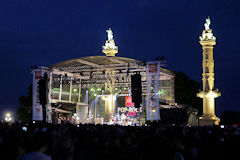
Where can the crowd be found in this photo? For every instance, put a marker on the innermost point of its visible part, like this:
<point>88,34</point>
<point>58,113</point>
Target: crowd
<point>93,142</point>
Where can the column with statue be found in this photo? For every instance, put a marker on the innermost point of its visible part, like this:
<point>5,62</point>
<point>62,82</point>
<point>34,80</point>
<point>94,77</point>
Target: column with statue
<point>208,94</point>
<point>109,49</point>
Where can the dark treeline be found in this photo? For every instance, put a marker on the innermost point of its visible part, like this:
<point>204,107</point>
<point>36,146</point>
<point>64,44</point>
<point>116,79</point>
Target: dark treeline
<point>186,90</point>
<point>230,117</point>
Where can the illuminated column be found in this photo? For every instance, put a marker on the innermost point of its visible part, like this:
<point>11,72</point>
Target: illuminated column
<point>110,49</point>
<point>110,99</point>
<point>208,40</point>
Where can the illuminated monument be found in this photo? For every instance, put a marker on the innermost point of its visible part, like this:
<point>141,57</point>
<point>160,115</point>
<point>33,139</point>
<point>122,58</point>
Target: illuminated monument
<point>208,40</point>
<point>110,49</point>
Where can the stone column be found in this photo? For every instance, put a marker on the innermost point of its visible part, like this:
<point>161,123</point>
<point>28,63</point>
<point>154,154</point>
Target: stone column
<point>208,94</point>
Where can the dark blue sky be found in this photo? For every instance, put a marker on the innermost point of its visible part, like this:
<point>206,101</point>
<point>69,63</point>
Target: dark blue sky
<point>45,32</point>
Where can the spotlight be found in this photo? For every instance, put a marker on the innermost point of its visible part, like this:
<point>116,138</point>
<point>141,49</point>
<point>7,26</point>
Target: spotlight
<point>75,90</point>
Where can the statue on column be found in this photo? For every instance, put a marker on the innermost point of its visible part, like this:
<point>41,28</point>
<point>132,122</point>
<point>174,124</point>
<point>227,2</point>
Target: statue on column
<point>110,34</point>
<point>207,24</point>
<point>110,49</point>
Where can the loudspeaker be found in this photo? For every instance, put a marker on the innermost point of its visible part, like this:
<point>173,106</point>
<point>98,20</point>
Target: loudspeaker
<point>42,90</point>
<point>136,89</point>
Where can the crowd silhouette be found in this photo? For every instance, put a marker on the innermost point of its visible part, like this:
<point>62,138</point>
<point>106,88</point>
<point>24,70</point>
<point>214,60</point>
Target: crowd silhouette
<point>91,142</point>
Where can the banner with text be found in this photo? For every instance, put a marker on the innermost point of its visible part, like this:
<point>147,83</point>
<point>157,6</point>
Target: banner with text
<point>152,98</point>
<point>37,113</point>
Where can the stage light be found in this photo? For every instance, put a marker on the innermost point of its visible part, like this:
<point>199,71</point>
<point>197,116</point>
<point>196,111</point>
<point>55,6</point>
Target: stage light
<point>103,98</point>
<point>74,90</point>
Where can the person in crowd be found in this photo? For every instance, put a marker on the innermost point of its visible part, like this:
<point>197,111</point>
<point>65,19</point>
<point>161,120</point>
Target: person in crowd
<point>40,144</point>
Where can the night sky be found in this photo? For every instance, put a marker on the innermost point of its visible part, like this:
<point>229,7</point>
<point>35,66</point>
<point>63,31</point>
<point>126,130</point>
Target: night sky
<point>44,32</point>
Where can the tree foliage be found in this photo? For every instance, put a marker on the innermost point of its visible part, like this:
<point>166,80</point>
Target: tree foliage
<point>186,91</point>
<point>24,112</point>
<point>230,117</point>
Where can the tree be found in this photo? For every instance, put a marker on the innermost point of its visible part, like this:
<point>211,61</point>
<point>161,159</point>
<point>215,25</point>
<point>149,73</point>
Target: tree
<point>230,117</point>
<point>24,112</point>
<point>186,91</point>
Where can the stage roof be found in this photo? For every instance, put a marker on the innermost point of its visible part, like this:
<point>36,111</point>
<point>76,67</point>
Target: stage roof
<point>98,62</point>
<point>94,61</point>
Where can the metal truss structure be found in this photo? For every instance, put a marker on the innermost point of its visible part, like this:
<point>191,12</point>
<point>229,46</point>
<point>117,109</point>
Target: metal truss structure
<point>88,73</point>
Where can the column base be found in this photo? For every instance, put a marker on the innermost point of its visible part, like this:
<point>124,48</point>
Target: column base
<point>209,120</point>
<point>107,118</point>
<point>82,112</point>
<point>99,121</point>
